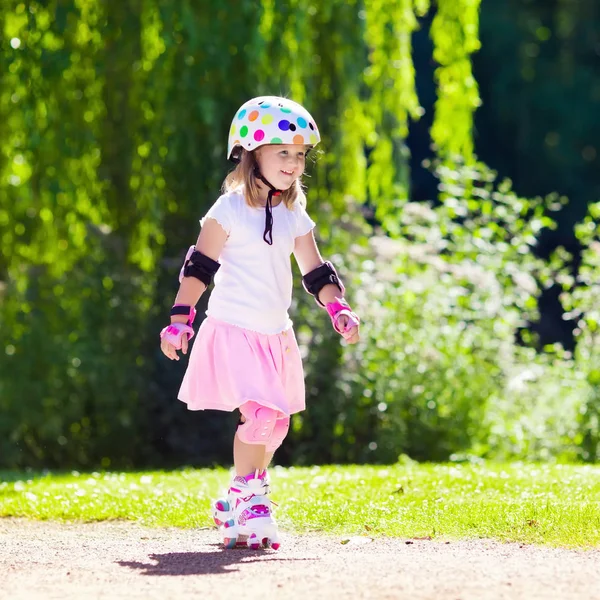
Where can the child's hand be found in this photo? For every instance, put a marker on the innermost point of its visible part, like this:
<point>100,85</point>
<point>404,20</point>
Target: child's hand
<point>352,335</point>
<point>344,321</point>
<point>170,351</point>
<point>175,337</point>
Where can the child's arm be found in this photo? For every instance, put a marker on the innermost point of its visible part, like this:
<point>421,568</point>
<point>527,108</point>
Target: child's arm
<point>210,243</point>
<point>309,258</point>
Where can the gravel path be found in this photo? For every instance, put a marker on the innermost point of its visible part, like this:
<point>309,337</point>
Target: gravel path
<point>124,560</point>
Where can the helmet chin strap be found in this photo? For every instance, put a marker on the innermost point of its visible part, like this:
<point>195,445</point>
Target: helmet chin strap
<point>268,234</point>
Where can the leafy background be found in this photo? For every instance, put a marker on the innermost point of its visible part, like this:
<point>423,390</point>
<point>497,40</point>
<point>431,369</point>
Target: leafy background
<point>453,134</point>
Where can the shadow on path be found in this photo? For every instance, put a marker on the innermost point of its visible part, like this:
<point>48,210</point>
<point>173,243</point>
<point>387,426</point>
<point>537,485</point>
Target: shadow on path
<point>204,563</point>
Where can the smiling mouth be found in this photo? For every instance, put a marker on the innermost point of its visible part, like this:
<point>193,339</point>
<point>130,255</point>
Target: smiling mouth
<point>287,172</point>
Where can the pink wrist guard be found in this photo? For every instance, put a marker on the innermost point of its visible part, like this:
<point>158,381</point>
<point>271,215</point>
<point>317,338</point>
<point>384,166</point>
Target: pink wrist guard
<point>336,310</point>
<point>186,310</point>
<point>174,332</point>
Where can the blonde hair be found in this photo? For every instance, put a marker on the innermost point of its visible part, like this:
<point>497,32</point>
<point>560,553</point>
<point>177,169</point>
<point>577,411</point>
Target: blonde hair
<point>243,177</point>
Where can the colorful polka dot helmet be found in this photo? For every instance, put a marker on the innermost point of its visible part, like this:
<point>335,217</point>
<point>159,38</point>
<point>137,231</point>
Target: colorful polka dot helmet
<point>270,120</point>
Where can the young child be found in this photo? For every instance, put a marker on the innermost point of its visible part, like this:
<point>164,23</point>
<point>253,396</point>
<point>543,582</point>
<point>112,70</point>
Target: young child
<point>246,356</point>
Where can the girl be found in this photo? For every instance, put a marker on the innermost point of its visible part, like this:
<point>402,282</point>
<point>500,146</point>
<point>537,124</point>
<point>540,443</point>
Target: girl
<point>246,356</point>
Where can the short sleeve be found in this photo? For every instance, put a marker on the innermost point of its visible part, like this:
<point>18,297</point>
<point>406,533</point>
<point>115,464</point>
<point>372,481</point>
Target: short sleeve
<point>304,223</point>
<point>221,211</point>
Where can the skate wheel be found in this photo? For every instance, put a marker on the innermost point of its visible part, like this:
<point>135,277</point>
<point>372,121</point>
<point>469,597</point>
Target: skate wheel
<point>229,543</point>
<point>221,513</point>
<point>253,542</point>
<point>269,543</point>
<point>222,505</point>
<point>274,542</point>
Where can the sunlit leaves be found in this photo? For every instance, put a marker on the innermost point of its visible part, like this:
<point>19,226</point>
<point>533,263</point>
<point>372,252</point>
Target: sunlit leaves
<point>455,32</point>
<point>444,304</point>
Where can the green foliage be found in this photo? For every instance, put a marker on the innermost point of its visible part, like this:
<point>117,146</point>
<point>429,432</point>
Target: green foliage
<point>438,372</point>
<point>60,382</point>
<point>540,92</point>
<point>113,121</point>
<point>582,299</point>
<point>455,34</point>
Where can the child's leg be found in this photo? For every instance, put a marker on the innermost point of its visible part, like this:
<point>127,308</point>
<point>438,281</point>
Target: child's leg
<point>260,433</point>
<point>268,459</point>
<point>247,458</point>
<point>245,517</point>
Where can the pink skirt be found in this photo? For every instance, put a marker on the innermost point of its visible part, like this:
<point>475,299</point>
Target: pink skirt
<point>229,366</point>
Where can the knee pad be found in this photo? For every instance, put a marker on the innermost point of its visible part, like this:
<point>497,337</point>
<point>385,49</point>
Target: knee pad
<point>282,426</point>
<point>262,426</point>
<point>259,425</point>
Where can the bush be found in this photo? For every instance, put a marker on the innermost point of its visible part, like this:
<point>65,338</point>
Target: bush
<point>439,372</point>
<point>582,299</point>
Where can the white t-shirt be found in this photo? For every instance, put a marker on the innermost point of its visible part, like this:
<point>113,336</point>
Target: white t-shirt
<point>253,287</point>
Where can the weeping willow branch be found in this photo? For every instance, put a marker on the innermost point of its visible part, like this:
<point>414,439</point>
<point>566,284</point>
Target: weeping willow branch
<point>455,34</point>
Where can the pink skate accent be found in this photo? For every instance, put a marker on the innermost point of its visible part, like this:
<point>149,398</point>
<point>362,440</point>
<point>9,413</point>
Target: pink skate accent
<point>255,512</point>
<point>254,475</point>
<point>252,490</point>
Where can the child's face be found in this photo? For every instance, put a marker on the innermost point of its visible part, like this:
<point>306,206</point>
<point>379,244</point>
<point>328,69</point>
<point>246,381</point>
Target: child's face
<point>281,164</point>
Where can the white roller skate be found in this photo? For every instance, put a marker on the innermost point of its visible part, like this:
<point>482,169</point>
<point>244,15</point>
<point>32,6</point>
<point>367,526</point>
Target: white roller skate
<point>244,517</point>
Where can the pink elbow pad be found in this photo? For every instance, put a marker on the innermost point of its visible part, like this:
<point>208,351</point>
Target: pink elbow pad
<point>185,260</point>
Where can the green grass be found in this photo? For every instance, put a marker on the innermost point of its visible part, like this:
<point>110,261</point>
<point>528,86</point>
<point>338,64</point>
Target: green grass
<point>558,505</point>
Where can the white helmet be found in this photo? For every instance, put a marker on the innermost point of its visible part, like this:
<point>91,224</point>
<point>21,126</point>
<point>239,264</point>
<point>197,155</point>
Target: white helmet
<point>270,120</point>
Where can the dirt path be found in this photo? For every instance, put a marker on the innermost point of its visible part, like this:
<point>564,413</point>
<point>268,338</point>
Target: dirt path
<point>124,560</point>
